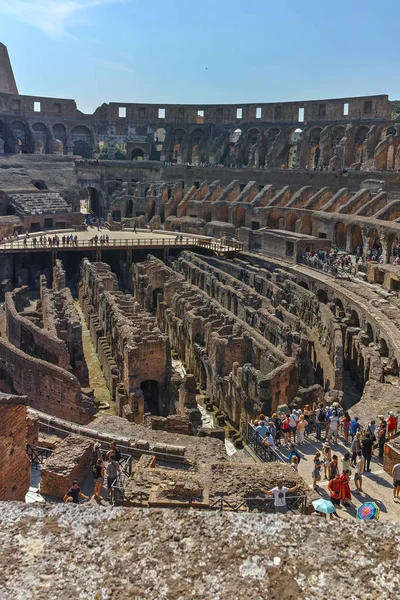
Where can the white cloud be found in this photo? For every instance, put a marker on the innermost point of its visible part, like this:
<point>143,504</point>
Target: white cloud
<point>50,16</point>
<point>115,66</point>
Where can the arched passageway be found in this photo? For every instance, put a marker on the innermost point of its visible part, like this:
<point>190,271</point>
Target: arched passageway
<point>157,297</point>
<point>94,204</point>
<point>322,296</point>
<point>273,219</point>
<point>150,391</point>
<point>137,154</point>
<point>339,235</point>
<point>82,148</point>
<point>239,216</point>
<point>290,222</point>
<point>356,238</point>
<point>81,138</point>
<point>306,225</point>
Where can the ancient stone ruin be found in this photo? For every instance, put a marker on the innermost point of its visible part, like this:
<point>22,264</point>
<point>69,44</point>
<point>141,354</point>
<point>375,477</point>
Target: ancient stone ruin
<point>236,261</point>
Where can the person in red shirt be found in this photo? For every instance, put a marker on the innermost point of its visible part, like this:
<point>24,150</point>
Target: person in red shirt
<point>391,425</point>
<point>335,488</point>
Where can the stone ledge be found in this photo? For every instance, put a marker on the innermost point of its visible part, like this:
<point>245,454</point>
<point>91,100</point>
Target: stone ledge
<point>55,551</point>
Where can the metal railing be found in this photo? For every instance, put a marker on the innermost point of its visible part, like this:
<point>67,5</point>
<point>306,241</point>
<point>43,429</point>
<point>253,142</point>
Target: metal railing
<point>264,504</point>
<point>261,450</point>
<point>38,455</point>
<point>159,242</point>
<point>64,428</point>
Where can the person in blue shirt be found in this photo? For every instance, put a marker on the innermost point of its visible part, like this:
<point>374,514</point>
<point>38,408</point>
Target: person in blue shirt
<point>354,427</point>
<point>293,452</point>
<point>262,429</point>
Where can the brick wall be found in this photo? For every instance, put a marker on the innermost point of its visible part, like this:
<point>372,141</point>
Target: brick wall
<point>50,389</point>
<point>15,469</point>
<point>26,336</point>
<point>70,460</point>
<point>391,456</point>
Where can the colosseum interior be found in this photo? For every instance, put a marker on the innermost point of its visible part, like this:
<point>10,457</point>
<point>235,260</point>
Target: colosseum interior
<point>159,288</point>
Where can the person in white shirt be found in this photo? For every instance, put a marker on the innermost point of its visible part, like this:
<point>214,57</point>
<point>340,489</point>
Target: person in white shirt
<point>279,492</point>
<point>333,426</point>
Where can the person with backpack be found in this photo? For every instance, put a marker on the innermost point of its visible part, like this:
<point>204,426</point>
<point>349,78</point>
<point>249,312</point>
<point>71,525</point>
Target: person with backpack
<point>98,476</point>
<point>320,420</point>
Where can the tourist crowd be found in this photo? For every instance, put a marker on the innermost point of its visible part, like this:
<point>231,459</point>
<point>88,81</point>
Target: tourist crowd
<point>326,424</point>
<point>330,261</point>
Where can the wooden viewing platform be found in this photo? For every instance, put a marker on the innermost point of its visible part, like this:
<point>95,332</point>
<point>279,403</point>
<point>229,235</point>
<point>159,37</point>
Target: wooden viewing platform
<point>116,242</point>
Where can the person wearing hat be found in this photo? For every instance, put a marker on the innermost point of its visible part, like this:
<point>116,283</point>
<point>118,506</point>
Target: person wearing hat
<point>327,457</point>
<point>96,453</point>
<point>391,425</point>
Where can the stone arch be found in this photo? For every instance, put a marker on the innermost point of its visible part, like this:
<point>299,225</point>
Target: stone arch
<point>306,225</point>
<point>60,134</point>
<point>235,135</point>
<point>137,154</point>
<point>239,216</point>
<point>339,307</point>
<point>369,332</point>
<point>290,221</point>
<point>151,395</point>
<point>159,138</point>
<point>339,235</point>
<point>7,142</point>
<point>337,134</point>
<point>81,138</point>
<point>313,147</point>
<point>82,148</point>
<point>195,139</point>
<point>273,134</point>
<point>356,238</point>
<point>360,137</point>
<point>374,240</point>
<point>273,219</point>
<point>354,320</point>
<point>392,241</point>
<point>222,213</point>
<point>295,135</point>
<point>22,136</point>
<point>303,284</point>
<point>41,138</point>
<point>322,296</point>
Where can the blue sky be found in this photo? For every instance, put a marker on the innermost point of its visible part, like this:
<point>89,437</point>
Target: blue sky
<point>178,51</point>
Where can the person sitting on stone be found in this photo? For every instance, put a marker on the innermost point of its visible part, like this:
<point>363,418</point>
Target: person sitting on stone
<point>74,493</point>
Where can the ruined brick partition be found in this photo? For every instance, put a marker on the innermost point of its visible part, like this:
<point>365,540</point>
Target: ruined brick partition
<point>61,320</point>
<point>15,471</point>
<point>135,356</point>
<point>242,372</point>
<point>50,388</point>
<point>29,338</point>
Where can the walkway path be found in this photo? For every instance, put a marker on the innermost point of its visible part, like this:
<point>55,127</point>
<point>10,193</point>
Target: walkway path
<point>377,485</point>
<point>96,378</point>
